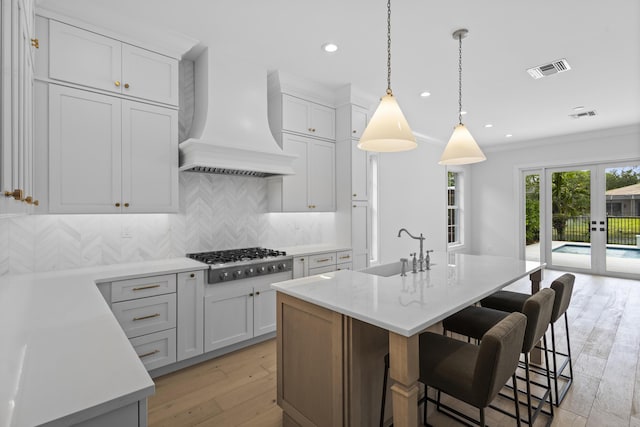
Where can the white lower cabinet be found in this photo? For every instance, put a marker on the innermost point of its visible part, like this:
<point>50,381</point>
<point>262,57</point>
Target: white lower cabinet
<point>190,324</point>
<point>156,349</point>
<point>228,315</point>
<point>324,262</point>
<point>235,312</point>
<point>161,315</point>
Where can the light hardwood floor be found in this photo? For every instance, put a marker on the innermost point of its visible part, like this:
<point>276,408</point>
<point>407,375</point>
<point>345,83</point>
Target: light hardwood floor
<point>239,389</point>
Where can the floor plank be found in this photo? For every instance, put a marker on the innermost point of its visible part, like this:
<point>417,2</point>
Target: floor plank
<point>239,389</point>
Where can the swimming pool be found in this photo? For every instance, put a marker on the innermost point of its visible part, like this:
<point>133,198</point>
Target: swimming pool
<point>632,253</point>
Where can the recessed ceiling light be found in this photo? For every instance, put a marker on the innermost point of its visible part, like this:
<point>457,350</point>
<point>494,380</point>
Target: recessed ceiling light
<point>581,107</point>
<point>508,135</point>
<point>425,94</point>
<point>488,125</point>
<point>329,47</point>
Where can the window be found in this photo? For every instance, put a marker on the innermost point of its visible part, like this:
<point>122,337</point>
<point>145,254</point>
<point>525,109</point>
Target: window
<point>454,210</point>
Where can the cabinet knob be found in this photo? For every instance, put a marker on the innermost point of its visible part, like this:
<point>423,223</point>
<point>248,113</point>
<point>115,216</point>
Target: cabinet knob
<point>126,205</point>
<point>258,293</point>
<point>251,294</point>
<point>126,85</point>
<point>36,203</point>
<point>312,130</point>
<point>355,131</point>
<point>355,195</point>
<point>35,43</point>
<point>117,83</point>
<point>354,206</point>
<point>192,275</point>
<point>117,205</point>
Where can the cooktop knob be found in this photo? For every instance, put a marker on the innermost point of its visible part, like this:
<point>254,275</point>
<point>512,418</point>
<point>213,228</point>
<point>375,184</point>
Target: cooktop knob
<point>282,266</point>
<point>272,268</point>
<point>224,275</point>
<point>249,271</point>
<point>262,269</point>
<point>237,273</point>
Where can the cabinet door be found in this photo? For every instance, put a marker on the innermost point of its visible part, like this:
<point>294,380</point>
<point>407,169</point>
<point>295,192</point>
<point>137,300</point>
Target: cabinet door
<point>295,114</point>
<point>228,316</point>
<point>322,161</point>
<point>149,75</point>
<point>359,173</point>
<point>149,158</point>
<point>295,187</point>
<point>24,167</point>
<point>264,310</point>
<point>190,314</point>
<point>300,267</point>
<point>359,121</point>
<point>84,151</point>
<point>360,236</point>
<point>84,58</point>
<point>322,121</point>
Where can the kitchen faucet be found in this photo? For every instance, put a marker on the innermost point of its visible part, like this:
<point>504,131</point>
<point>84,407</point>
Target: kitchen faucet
<point>421,238</point>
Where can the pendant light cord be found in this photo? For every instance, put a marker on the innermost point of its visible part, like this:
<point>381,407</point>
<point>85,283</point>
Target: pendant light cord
<point>389,48</point>
<point>460,78</point>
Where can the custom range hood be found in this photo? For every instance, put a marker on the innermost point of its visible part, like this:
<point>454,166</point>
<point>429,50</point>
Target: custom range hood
<point>230,131</point>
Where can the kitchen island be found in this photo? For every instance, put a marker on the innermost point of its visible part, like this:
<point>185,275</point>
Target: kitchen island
<point>335,328</point>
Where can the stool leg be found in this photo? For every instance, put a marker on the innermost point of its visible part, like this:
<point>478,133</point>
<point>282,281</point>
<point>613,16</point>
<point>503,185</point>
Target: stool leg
<point>555,364</point>
<point>482,423</point>
<point>546,362</point>
<point>566,325</point>
<point>425,405</point>
<point>526,371</point>
<point>516,401</point>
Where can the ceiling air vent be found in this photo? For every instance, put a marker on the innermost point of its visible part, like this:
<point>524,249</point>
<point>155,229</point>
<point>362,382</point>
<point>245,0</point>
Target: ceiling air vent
<point>559,66</point>
<point>583,114</point>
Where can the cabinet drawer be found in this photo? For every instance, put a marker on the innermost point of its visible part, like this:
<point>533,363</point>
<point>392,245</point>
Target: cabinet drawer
<point>320,270</point>
<point>156,350</point>
<point>344,266</point>
<point>321,260</point>
<point>344,256</point>
<point>123,290</point>
<point>144,316</point>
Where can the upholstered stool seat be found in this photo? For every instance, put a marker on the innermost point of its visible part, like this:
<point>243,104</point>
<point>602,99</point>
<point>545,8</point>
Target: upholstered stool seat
<point>474,374</point>
<point>514,302</point>
<point>475,321</point>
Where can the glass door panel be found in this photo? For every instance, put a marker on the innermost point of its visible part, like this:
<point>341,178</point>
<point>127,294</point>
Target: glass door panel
<point>622,204</point>
<point>531,180</point>
<point>569,218</point>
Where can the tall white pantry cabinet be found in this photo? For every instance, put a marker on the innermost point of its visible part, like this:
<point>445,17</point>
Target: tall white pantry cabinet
<point>107,128</point>
<point>17,46</point>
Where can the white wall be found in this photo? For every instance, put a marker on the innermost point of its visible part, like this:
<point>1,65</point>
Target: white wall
<point>494,204</point>
<point>413,195</point>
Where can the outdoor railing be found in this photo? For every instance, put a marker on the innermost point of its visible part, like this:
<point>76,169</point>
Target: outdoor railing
<point>621,230</point>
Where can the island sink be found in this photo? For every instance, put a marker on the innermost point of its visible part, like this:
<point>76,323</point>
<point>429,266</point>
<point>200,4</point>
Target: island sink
<point>388,270</point>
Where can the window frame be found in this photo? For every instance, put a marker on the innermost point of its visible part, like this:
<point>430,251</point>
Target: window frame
<point>457,207</point>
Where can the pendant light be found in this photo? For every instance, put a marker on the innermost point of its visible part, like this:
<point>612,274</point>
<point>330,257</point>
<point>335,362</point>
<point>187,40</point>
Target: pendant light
<point>388,130</point>
<point>461,149</point>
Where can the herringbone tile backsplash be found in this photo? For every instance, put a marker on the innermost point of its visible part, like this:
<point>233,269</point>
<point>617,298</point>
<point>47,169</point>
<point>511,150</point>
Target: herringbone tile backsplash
<point>216,212</point>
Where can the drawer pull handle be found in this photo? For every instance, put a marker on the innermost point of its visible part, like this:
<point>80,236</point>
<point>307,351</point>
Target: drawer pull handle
<point>151,353</point>
<point>151,316</point>
<point>142,288</point>
<point>323,260</point>
<point>345,257</point>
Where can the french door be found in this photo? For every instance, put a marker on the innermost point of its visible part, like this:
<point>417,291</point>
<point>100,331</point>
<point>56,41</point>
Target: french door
<point>584,218</point>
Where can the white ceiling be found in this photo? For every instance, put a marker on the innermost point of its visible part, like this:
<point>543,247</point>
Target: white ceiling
<point>599,39</point>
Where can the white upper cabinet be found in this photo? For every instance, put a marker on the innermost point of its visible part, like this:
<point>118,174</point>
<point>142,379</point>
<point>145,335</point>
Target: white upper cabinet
<point>85,58</point>
<point>312,188</point>
<point>359,121</point>
<point>308,118</point>
<point>109,155</point>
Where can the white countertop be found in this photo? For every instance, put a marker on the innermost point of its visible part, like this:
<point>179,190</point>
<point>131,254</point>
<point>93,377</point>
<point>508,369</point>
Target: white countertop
<point>407,305</point>
<point>312,249</point>
<point>63,353</point>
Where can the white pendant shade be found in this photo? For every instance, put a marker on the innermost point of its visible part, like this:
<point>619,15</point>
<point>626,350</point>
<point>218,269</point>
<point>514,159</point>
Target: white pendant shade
<point>388,130</point>
<point>461,149</point>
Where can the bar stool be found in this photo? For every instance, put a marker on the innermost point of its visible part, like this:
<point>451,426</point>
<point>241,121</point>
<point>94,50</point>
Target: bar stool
<point>471,373</point>
<point>514,301</point>
<point>474,321</point>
